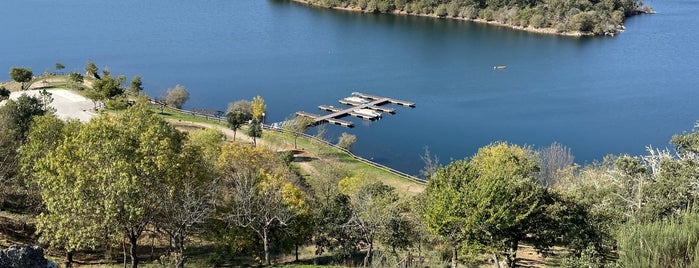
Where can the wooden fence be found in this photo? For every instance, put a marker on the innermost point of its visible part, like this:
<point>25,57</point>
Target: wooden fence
<point>281,130</point>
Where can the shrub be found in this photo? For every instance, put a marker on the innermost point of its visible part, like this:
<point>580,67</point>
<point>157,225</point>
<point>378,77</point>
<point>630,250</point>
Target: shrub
<point>665,243</point>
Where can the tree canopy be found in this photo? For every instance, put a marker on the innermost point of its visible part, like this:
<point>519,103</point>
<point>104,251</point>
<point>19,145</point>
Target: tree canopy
<point>177,96</point>
<point>112,174</point>
<point>21,75</point>
<point>587,16</point>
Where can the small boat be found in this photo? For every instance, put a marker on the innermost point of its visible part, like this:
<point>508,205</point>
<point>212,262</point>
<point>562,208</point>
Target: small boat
<point>499,67</point>
<point>356,99</point>
<point>367,112</point>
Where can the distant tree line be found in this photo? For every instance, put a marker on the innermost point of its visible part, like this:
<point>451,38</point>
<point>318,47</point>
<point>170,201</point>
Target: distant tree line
<point>586,16</point>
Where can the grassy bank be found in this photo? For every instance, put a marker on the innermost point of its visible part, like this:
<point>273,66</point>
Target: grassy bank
<point>313,158</point>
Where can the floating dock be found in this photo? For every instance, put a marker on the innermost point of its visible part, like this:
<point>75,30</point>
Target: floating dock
<point>364,106</point>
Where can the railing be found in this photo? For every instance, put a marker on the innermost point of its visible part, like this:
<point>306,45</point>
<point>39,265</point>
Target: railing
<point>358,158</point>
<point>207,116</point>
<point>279,129</point>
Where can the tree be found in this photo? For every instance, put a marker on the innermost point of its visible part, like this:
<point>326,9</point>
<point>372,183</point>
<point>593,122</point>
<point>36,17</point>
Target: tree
<point>109,178</point>
<point>136,85</point>
<point>59,66</point>
<point>91,70</point>
<point>504,196</point>
<point>189,199</point>
<point>4,93</point>
<point>260,195</point>
<point>106,88</point>
<point>490,201</point>
<point>255,131</point>
<point>238,113</point>
<point>106,71</point>
<point>445,212</point>
<point>553,159</point>
<point>258,108</point>
<point>297,126</point>
<point>75,78</point>
<point>210,141</point>
<point>21,75</point>
<point>372,205</point>
<point>431,164</point>
<point>346,141</point>
<point>18,115</point>
<point>176,97</point>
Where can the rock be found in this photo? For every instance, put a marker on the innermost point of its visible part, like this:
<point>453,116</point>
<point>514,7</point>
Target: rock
<point>24,257</point>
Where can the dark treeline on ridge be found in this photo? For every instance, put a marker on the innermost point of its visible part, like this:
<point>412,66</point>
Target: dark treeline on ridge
<point>128,186</point>
<point>597,17</point>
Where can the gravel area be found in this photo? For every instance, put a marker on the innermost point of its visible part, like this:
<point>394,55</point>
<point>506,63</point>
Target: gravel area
<point>67,104</point>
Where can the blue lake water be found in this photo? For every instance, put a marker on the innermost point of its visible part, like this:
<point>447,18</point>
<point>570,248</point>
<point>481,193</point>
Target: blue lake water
<point>596,95</point>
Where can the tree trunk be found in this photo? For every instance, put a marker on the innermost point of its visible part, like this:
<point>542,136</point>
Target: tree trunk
<point>69,259</point>
<point>234,133</point>
<point>454,257</point>
<point>367,258</point>
<point>123,248</point>
<point>497,261</point>
<point>179,255</point>
<point>297,252</point>
<point>132,251</point>
<point>512,257</point>
<point>265,243</point>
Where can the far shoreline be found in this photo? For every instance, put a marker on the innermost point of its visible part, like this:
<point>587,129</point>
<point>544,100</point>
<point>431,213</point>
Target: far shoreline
<point>547,30</point>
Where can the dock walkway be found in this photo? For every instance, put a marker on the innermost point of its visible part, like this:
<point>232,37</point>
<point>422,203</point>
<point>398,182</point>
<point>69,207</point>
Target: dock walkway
<point>373,103</point>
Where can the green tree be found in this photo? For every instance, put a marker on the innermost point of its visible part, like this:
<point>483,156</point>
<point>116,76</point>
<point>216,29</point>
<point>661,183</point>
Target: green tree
<point>255,131</point>
<point>75,78</point>
<point>491,200</point>
<point>176,97</point>
<point>46,134</point>
<point>59,66</point>
<point>91,70</point>
<point>297,126</point>
<point>238,113</point>
<point>106,88</point>
<point>136,85</point>
<point>210,141</point>
<point>110,177</point>
<point>18,115</point>
<point>445,212</point>
<point>21,75</point>
<point>4,93</point>
<point>188,199</point>
<point>504,196</point>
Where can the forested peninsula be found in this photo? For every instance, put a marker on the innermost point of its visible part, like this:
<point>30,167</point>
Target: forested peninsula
<point>564,17</point>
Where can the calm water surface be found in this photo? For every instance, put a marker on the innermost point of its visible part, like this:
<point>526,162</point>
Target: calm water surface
<point>596,95</point>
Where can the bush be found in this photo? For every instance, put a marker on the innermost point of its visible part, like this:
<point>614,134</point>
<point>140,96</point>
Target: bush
<point>582,22</point>
<point>537,21</point>
<point>665,243</point>
<point>453,9</point>
<point>441,10</point>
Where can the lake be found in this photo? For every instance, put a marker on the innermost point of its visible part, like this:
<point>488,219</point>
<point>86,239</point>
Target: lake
<point>598,95</point>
